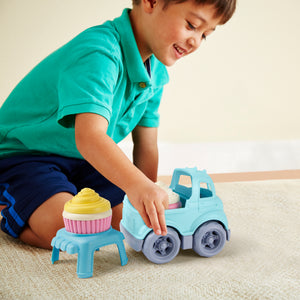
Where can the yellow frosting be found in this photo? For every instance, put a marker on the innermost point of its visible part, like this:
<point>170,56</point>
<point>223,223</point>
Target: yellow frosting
<point>87,201</point>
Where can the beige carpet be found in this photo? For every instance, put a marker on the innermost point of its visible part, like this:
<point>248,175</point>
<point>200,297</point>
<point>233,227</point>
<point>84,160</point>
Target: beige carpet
<point>262,260</point>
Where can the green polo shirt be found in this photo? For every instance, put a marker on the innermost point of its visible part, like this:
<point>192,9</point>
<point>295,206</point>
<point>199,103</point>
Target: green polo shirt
<point>100,71</point>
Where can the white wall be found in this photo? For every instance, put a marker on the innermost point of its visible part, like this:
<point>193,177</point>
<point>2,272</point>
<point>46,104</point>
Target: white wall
<point>242,84</point>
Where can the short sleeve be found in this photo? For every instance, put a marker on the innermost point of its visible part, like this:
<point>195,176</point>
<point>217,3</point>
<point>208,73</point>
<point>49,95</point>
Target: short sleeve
<point>151,116</point>
<point>86,86</point>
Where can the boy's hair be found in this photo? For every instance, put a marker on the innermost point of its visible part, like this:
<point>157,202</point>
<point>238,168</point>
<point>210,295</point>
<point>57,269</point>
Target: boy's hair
<point>224,8</point>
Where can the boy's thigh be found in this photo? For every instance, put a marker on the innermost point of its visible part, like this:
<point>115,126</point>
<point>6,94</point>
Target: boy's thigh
<point>25,185</point>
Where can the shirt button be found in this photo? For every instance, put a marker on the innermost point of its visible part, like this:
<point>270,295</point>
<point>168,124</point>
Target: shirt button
<point>142,85</point>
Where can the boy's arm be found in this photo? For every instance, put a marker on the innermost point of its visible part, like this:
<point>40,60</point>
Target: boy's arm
<point>145,151</point>
<point>104,155</point>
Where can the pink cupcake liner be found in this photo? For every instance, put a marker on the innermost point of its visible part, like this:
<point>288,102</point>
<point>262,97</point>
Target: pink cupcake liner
<point>89,226</point>
<point>175,205</point>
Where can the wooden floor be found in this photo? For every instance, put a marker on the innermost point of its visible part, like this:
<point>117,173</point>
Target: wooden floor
<point>249,176</point>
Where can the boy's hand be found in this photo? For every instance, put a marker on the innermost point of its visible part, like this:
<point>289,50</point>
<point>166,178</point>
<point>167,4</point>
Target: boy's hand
<point>151,202</point>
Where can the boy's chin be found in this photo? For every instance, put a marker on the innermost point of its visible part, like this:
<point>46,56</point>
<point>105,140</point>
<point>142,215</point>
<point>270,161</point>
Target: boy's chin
<point>170,64</point>
<point>167,62</point>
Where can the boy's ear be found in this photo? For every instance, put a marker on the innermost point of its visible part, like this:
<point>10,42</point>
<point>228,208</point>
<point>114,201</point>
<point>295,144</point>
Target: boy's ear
<point>148,5</point>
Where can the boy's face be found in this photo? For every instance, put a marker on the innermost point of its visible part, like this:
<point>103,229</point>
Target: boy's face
<point>177,30</point>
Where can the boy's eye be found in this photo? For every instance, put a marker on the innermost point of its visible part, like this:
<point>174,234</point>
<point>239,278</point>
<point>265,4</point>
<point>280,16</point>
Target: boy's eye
<point>191,26</point>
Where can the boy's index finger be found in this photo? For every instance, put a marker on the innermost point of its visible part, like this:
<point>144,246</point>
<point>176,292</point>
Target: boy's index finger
<point>162,221</point>
<point>161,218</point>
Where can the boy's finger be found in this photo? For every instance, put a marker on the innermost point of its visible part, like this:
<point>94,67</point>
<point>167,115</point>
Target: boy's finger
<point>152,214</point>
<point>161,219</point>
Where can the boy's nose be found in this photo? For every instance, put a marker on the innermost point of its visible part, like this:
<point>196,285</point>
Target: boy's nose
<point>194,42</point>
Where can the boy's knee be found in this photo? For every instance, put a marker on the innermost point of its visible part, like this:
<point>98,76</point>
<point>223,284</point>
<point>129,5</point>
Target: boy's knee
<point>29,237</point>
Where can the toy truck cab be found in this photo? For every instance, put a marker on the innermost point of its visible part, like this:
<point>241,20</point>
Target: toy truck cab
<point>199,224</point>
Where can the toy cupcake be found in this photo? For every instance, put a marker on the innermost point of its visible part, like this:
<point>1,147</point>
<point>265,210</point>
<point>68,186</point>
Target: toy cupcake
<point>174,199</point>
<point>87,213</point>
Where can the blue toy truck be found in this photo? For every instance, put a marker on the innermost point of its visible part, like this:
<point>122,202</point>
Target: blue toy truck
<point>200,224</point>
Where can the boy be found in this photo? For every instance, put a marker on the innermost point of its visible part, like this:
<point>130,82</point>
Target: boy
<point>60,126</point>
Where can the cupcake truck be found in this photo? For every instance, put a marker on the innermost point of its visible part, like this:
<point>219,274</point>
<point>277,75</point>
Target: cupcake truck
<point>198,223</point>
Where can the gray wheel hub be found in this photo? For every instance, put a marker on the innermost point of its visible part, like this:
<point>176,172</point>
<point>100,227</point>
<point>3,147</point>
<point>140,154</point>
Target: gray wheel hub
<point>163,246</point>
<point>210,240</point>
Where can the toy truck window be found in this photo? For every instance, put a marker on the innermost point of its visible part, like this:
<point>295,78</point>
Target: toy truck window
<point>184,186</point>
<point>205,190</point>
<point>185,180</point>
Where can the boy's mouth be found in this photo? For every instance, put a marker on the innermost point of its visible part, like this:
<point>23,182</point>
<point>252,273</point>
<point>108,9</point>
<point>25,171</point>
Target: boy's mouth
<point>179,50</point>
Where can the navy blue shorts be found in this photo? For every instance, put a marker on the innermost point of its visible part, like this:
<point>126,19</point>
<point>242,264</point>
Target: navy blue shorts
<point>28,181</point>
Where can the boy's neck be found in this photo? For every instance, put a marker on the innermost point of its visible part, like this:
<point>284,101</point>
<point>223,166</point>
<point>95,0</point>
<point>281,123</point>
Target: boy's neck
<point>137,27</point>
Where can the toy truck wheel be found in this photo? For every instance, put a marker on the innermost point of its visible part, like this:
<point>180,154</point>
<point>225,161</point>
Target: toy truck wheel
<point>161,249</point>
<point>209,239</point>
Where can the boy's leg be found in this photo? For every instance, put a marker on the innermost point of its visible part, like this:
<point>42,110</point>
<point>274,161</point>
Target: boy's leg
<point>45,221</point>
